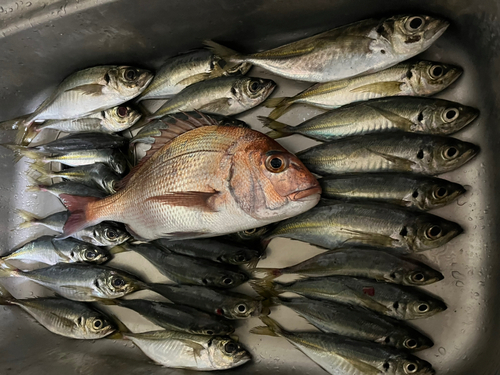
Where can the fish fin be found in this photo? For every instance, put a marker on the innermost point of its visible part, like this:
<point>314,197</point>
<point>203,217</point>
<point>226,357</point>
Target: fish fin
<point>262,330</point>
<point>20,151</point>
<point>280,105</point>
<point>176,127</point>
<point>223,51</point>
<point>286,52</point>
<point>46,176</point>
<point>199,199</point>
<point>272,327</point>
<point>264,287</point>
<point>363,367</point>
<point>29,219</point>
<point>369,238</point>
<point>390,88</point>
<point>118,249</point>
<point>183,235</point>
<point>280,129</point>
<point>393,159</point>
<point>122,328</point>
<point>6,270</point>
<point>370,303</point>
<point>76,289</point>
<point>391,116</point>
<point>91,89</point>
<point>195,347</point>
<point>253,263</point>
<point>215,105</point>
<point>78,207</point>
<point>269,273</point>
<point>194,79</point>
<point>5,297</point>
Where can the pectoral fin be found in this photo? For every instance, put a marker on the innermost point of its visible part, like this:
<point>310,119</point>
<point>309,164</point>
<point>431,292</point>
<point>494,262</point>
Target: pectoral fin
<point>363,367</point>
<point>367,301</point>
<point>215,105</point>
<point>194,79</point>
<point>407,164</point>
<point>198,199</point>
<point>195,347</point>
<point>402,122</point>
<point>92,90</point>
<point>390,88</point>
<point>368,238</point>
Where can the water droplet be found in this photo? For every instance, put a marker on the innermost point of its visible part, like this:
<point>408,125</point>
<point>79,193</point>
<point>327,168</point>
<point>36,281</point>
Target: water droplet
<point>476,294</point>
<point>459,284</point>
<point>442,351</point>
<point>457,275</point>
<point>469,218</point>
<point>28,4</point>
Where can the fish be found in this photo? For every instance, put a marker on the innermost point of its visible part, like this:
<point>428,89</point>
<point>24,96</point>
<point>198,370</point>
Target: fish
<point>341,355</point>
<point>230,305</point>
<point>75,320</point>
<point>357,323</point>
<point>411,191</point>
<point>88,91</point>
<point>393,152</point>
<point>103,234</point>
<point>213,250</point>
<point>85,141</point>
<point>50,250</point>
<point>409,78</point>
<point>109,121</point>
<point>188,351</point>
<point>251,238</point>
<point>188,68</point>
<point>184,269</point>
<point>97,175</point>
<point>359,48</point>
<point>177,317</point>
<point>222,96</point>
<point>190,186</point>
<point>79,282</point>
<point>113,158</point>
<point>397,113</point>
<point>342,224</point>
<point>66,187</point>
<point>361,262</point>
<point>400,302</point>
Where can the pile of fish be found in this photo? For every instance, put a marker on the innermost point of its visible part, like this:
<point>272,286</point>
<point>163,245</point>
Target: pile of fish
<point>200,196</point>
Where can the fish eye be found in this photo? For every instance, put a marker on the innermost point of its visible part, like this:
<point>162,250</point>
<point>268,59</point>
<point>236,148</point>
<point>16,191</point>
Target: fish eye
<point>440,193</point>
<point>276,164</point>
<point>423,307</point>
<point>122,111</point>
<point>90,254</point>
<point>436,71</point>
<point>411,368</point>
<point>254,86</point>
<point>98,323</point>
<point>111,234</point>
<point>415,194</point>
<point>210,333</point>
<point>130,74</point>
<point>450,153</point>
<point>230,347</point>
<point>410,344</point>
<point>241,308</point>
<point>107,78</point>
<point>450,114</point>
<point>227,281</point>
<point>420,154</point>
<point>239,258</point>
<point>103,114</point>
<point>250,231</point>
<point>418,277</point>
<point>118,282</point>
<point>414,23</point>
<point>434,232</point>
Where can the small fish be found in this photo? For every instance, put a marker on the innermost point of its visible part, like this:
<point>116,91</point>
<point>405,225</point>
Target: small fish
<point>400,302</point>
<point>85,141</point>
<point>213,250</point>
<point>342,224</point>
<point>79,282</point>
<point>177,317</point>
<point>88,91</point>
<point>362,47</point>
<point>420,78</point>
<point>71,319</point>
<point>50,250</point>
<point>223,96</point>
<point>66,187</point>
<point>97,175</point>
<point>229,305</point>
<point>250,238</point>
<point>189,270</point>
<point>111,120</point>
<point>373,264</point>
<point>174,349</point>
<point>341,355</point>
<point>412,191</point>
<point>196,177</point>
<point>409,114</point>
<point>393,152</point>
<point>185,69</point>
<point>357,323</point>
<point>113,158</point>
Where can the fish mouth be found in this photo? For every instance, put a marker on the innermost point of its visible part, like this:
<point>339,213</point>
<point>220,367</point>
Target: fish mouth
<point>145,78</point>
<point>307,194</point>
<point>436,29</point>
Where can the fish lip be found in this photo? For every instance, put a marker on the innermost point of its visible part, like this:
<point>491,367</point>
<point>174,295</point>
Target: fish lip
<point>438,28</point>
<point>302,195</point>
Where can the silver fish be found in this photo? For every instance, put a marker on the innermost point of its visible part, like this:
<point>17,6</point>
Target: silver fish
<point>71,319</point>
<point>185,69</point>
<point>223,96</point>
<point>416,192</point>
<point>340,355</point>
<point>420,78</point>
<point>357,323</point>
<point>187,351</point>
<point>341,224</point>
<point>409,114</point>
<point>79,282</point>
<point>229,305</point>
<point>362,47</point>
<point>66,187</point>
<point>50,250</point>
<point>393,300</point>
<point>374,264</point>
<point>394,152</point>
<point>84,141</point>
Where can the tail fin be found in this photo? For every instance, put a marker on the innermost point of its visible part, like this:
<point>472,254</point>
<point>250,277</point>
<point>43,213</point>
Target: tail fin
<point>121,328</point>
<point>280,105</point>
<point>226,53</point>
<point>119,249</point>
<point>269,273</point>
<point>26,135</point>
<point>272,329</point>
<point>29,219</point>
<point>20,151</point>
<point>265,287</point>
<point>46,176</point>
<point>6,270</point>
<point>5,297</point>
<point>279,129</point>
<point>78,207</point>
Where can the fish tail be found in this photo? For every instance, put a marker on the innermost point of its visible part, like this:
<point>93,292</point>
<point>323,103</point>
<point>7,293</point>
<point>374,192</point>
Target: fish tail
<point>45,175</point>
<point>26,134</point>
<point>280,129</point>
<point>265,287</point>
<point>121,328</point>
<point>272,327</point>
<point>29,219</point>
<point>119,249</point>
<point>20,151</point>
<point>226,53</point>
<point>280,105</point>
<point>5,297</point>
<point>269,273</point>
<point>6,270</point>
<point>82,214</point>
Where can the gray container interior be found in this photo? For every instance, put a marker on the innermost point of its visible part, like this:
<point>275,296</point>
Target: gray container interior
<point>41,42</point>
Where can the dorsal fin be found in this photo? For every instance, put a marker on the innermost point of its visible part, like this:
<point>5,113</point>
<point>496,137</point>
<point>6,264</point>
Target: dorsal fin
<point>176,127</point>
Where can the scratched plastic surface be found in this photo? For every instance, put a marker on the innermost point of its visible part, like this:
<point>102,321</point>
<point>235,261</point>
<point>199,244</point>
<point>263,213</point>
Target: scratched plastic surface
<point>43,41</point>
